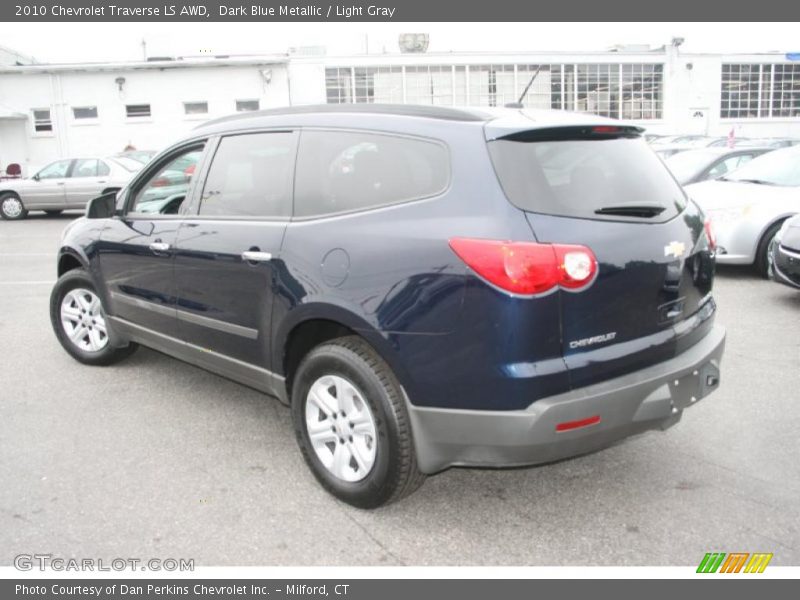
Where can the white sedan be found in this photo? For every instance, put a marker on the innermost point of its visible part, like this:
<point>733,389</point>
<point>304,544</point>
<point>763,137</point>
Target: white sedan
<point>748,206</point>
<point>64,184</point>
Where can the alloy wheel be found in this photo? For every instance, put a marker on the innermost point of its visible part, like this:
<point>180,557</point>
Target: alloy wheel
<point>341,428</point>
<point>12,207</point>
<point>83,320</point>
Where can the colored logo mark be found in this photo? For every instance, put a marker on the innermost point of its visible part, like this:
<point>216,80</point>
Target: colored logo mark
<point>734,562</point>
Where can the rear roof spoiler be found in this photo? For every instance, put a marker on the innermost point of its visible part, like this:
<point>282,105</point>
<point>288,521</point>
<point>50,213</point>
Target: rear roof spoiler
<point>572,132</point>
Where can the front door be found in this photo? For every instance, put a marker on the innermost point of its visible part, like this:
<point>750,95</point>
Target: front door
<point>46,188</point>
<point>137,249</point>
<point>224,269</point>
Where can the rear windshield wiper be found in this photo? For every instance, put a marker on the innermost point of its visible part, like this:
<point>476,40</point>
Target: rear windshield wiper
<point>645,211</point>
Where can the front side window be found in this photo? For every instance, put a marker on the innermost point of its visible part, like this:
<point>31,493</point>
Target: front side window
<point>166,190</point>
<point>251,176</point>
<point>56,170</point>
<point>726,166</point>
<point>347,171</point>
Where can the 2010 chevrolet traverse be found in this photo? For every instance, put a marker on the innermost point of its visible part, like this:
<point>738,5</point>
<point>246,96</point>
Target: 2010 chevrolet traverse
<point>426,287</point>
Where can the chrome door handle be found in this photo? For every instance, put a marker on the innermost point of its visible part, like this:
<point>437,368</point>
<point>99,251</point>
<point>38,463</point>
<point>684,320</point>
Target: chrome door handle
<point>159,247</point>
<point>256,256</point>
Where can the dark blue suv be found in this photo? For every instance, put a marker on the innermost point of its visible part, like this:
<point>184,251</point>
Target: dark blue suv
<point>425,287</point>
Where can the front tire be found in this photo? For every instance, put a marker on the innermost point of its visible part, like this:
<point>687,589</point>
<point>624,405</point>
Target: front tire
<point>11,207</point>
<point>352,425</point>
<point>80,323</point>
<point>762,264</point>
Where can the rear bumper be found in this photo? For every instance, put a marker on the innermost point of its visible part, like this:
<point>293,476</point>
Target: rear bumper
<point>652,398</point>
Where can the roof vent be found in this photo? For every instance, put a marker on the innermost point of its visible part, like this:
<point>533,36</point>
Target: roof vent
<point>414,42</point>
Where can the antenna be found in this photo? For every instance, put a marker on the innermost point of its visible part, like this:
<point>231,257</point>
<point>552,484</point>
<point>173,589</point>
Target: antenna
<point>518,103</point>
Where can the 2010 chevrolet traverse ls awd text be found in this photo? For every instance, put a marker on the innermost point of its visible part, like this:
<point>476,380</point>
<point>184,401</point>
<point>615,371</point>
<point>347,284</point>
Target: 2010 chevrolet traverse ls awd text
<point>426,287</point>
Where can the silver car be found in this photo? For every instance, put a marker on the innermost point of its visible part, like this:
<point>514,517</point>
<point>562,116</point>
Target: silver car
<point>748,206</point>
<point>64,184</point>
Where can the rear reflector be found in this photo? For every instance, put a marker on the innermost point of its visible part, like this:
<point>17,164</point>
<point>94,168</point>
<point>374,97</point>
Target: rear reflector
<point>570,425</point>
<point>528,268</point>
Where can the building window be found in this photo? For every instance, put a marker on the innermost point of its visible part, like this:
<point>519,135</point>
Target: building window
<point>247,105</point>
<point>785,90</point>
<point>137,111</point>
<point>195,108</point>
<point>626,90</point>
<point>753,91</point>
<point>84,112</point>
<point>41,120</point>
<point>641,91</point>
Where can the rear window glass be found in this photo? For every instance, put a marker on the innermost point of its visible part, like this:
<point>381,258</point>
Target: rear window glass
<point>341,171</point>
<point>577,178</point>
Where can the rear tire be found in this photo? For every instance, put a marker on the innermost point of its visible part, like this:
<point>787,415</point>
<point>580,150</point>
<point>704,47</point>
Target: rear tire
<point>80,323</point>
<point>11,207</point>
<point>761,264</point>
<point>355,394</point>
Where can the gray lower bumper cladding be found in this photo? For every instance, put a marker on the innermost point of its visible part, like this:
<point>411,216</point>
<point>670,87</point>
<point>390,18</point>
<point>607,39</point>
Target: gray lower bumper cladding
<point>572,423</point>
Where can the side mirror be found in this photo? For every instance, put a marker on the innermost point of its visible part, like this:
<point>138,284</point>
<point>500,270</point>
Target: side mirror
<point>36,177</point>
<point>102,207</point>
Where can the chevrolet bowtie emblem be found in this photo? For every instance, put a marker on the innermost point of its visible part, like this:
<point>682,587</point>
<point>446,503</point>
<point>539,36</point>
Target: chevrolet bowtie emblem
<point>675,249</point>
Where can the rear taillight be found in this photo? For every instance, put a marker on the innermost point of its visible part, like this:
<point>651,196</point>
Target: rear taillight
<point>712,239</point>
<point>528,268</point>
<point>160,182</point>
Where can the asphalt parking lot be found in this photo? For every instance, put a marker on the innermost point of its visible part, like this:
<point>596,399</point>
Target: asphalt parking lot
<point>156,458</point>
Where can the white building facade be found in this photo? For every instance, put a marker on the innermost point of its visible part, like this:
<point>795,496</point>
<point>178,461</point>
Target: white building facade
<point>53,111</point>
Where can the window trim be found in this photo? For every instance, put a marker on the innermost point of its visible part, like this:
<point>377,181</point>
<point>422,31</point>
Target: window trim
<point>762,93</point>
<point>34,132</point>
<point>139,118</point>
<point>237,100</point>
<point>155,166</point>
<point>195,207</point>
<point>80,121</point>
<point>196,116</point>
<point>343,213</point>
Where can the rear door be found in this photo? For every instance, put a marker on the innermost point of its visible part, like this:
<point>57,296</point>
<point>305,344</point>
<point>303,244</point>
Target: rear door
<point>227,250</point>
<point>602,187</point>
<point>86,181</point>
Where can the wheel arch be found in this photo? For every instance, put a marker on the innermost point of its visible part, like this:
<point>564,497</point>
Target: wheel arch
<point>311,325</point>
<point>69,259</point>
<point>770,224</point>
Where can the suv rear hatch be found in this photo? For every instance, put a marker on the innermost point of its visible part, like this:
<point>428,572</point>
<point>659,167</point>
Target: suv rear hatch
<point>602,187</point>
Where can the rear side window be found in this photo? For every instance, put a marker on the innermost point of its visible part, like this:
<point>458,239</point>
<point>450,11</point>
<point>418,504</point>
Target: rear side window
<point>341,171</point>
<point>251,176</point>
<point>617,178</point>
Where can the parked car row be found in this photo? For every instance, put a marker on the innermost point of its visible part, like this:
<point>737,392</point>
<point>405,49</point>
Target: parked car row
<point>68,183</point>
<point>749,192</point>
